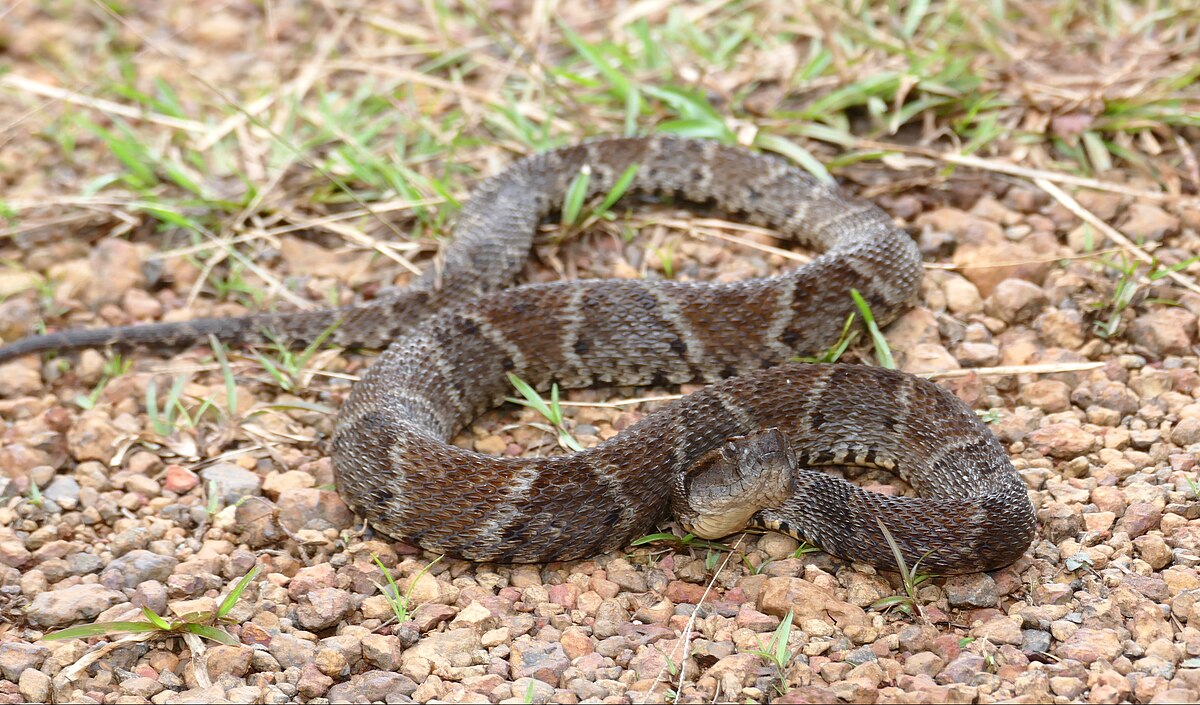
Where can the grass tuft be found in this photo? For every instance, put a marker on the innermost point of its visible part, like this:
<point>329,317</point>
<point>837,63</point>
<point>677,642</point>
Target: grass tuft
<point>777,654</point>
<point>401,604</point>
<point>688,540</point>
<point>551,411</point>
<point>910,578</point>
<point>1132,276</point>
<point>114,367</point>
<point>288,367</point>
<point>202,624</point>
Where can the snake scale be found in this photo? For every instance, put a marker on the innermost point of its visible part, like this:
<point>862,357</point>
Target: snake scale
<point>452,336</point>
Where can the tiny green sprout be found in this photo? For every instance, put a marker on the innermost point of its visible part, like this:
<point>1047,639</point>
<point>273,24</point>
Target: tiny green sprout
<point>35,493</point>
<point>1193,485</point>
<point>796,153</point>
<point>234,286</point>
<point>1127,287</point>
<point>989,416</point>
<point>666,258</point>
<point>164,421</point>
<point>672,667</point>
<point>287,367</point>
<point>401,604</point>
<point>753,568</point>
<point>212,503</point>
<point>575,217</point>
<point>688,540</point>
<point>620,186</point>
<point>113,367</point>
<point>227,375</point>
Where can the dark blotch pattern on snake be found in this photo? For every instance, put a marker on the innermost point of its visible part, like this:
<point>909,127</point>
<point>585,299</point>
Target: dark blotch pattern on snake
<point>395,468</point>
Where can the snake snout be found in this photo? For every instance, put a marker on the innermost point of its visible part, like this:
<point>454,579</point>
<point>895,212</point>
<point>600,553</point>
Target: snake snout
<point>723,489</point>
<point>768,457</point>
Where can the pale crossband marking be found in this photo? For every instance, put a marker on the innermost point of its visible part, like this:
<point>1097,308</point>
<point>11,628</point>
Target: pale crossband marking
<point>493,526</point>
<point>497,338</point>
<point>695,352</point>
<point>575,319</point>
<point>785,297</point>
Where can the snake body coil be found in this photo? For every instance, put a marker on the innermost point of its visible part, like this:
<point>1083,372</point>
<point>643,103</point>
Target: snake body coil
<point>395,468</point>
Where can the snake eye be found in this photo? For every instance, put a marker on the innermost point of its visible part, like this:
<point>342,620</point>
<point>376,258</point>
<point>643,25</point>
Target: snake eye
<point>729,451</point>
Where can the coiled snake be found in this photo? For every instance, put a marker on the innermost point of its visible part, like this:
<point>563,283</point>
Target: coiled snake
<point>394,466</point>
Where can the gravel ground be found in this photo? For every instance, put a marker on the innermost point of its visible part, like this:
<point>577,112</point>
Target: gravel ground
<point>1099,609</point>
<point>129,514</point>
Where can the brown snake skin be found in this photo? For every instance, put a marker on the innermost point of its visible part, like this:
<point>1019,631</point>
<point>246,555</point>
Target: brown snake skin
<point>395,468</point>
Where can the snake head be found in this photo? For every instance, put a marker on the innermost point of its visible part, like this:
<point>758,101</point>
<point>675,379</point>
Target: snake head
<point>718,494</point>
<point>758,453</point>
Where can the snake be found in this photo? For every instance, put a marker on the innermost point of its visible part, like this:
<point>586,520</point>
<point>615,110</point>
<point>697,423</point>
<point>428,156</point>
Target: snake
<point>765,445</point>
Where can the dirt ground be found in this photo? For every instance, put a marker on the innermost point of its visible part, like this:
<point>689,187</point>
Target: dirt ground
<point>161,161</point>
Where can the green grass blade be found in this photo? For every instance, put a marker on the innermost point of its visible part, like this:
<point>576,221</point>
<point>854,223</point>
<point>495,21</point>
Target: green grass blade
<point>796,153</point>
<point>273,370</point>
<point>174,395</point>
<point>913,15</point>
<point>215,634</point>
<point>782,633</point>
<point>694,127</point>
<point>170,217</point>
<point>619,188</point>
<point>128,152</point>
<point>88,631</point>
<point>152,406</point>
<point>621,86</point>
<point>156,620</point>
<point>890,601</point>
<point>895,548</point>
<point>226,374</point>
<point>633,111</point>
<point>652,538</point>
<point>883,353</point>
<point>413,583</point>
<point>532,398</point>
<point>234,594</point>
<point>576,193</point>
<point>312,348</point>
<point>567,440</point>
<point>397,603</point>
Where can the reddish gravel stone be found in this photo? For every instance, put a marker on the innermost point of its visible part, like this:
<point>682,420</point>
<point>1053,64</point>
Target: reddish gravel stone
<point>302,508</point>
<point>689,593</point>
<point>565,594</point>
<point>179,480</point>
<point>306,580</point>
<point>1139,518</point>
<point>1090,645</point>
<point>1062,440</point>
<point>1165,331</point>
